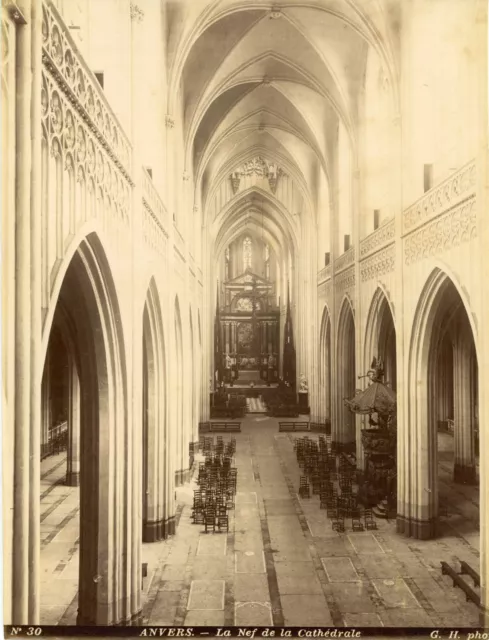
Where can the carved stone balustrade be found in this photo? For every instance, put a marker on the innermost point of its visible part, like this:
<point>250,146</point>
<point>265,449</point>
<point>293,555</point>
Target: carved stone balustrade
<point>155,216</point>
<point>81,90</point>
<point>85,155</point>
<point>178,242</point>
<point>324,274</point>
<point>457,188</point>
<point>378,239</point>
<point>345,260</point>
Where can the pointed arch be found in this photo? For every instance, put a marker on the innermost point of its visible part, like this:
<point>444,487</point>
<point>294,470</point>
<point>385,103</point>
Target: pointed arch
<point>325,365</point>
<point>440,304</point>
<point>87,308</point>
<point>344,427</point>
<point>155,427</point>
<point>380,335</point>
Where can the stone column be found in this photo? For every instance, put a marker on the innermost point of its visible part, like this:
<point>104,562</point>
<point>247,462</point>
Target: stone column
<point>73,453</point>
<point>22,589</point>
<point>227,332</point>
<point>464,470</point>
<point>46,399</point>
<point>482,339</point>
<point>36,319</point>
<point>445,381</point>
<point>134,439</point>
<point>358,364</point>
<point>326,390</point>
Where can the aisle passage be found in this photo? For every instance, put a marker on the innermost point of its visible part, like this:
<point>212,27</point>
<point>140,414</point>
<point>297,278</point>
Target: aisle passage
<point>282,564</point>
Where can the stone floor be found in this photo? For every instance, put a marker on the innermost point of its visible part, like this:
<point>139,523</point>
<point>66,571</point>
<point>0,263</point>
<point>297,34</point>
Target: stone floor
<point>280,563</point>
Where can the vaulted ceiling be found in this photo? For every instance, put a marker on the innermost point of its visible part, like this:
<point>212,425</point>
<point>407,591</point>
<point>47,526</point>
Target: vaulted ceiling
<point>275,81</point>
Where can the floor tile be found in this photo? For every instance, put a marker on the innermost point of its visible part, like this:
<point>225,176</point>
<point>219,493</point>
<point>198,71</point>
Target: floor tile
<point>250,587</point>
<point>249,562</point>
<point>305,611</point>
<point>298,584</point>
<point>204,619</point>
<point>253,614</point>
<point>365,543</point>
<point>206,594</point>
<point>395,593</point>
<point>352,597</point>
<point>340,570</point>
<point>359,620</point>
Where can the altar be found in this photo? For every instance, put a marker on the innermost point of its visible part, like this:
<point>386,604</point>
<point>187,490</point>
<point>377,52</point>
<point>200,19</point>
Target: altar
<point>249,331</point>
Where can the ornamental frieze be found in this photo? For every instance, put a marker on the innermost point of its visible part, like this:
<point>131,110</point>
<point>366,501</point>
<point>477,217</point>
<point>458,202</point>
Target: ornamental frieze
<point>324,290</point>
<point>378,264</point>
<point>345,281</point>
<point>380,237</point>
<point>456,227</point>
<point>459,186</point>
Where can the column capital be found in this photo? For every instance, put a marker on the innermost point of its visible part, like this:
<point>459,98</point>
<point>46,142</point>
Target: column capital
<point>169,122</point>
<point>137,14</point>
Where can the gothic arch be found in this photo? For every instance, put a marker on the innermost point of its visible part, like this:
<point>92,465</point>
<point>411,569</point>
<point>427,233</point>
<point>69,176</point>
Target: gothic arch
<point>344,427</point>
<point>380,335</point>
<point>87,307</point>
<point>418,499</point>
<point>325,364</point>
<point>155,427</point>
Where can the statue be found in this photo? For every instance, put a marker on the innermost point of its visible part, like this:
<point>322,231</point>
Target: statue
<point>303,387</point>
<point>229,361</point>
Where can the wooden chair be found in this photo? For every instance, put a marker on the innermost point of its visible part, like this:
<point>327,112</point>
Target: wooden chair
<point>210,519</point>
<point>356,521</point>
<point>222,519</point>
<point>304,491</point>
<point>369,520</point>
<point>338,523</point>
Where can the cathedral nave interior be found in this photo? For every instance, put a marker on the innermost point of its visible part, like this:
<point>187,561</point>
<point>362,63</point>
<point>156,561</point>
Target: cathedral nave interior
<point>244,300</point>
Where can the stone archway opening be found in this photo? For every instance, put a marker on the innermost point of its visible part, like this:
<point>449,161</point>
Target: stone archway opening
<point>441,496</point>
<point>453,415</point>
<point>343,432</point>
<point>83,400</point>
<point>154,469</point>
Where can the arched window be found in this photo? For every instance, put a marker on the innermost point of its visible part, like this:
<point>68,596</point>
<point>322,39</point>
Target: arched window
<point>247,253</point>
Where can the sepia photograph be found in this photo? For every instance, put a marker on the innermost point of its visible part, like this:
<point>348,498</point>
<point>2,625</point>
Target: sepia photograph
<point>245,288</point>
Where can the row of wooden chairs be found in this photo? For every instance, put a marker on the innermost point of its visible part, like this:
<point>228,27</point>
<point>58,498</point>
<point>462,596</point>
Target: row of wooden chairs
<point>322,469</point>
<point>212,517</point>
